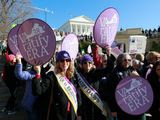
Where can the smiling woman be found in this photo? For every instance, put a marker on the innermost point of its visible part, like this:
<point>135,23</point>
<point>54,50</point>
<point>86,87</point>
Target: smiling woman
<point>124,60</point>
<point>63,64</point>
<point>122,70</point>
<point>57,92</point>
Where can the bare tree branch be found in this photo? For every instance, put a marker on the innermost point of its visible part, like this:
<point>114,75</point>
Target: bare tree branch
<point>13,11</point>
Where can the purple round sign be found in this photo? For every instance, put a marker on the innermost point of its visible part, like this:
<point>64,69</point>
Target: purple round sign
<point>105,27</point>
<point>12,40</point>
<point>36,41</point>
<point>70,44</point>
<point>134,95</point>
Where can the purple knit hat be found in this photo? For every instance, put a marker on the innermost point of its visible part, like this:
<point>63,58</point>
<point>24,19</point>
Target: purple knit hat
<point>87,58</point>
<point>62,55</point>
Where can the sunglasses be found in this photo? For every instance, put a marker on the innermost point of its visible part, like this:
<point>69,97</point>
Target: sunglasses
<point>129,60</point>
<point>65,60</point>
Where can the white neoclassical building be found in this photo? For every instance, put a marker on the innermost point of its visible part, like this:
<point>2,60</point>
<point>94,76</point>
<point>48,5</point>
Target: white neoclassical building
<point>81,25</point>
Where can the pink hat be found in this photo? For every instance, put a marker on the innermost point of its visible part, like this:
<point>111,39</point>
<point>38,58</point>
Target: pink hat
<point>10,58</point>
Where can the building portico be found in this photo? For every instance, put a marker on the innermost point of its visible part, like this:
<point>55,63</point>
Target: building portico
<point>80,25</point>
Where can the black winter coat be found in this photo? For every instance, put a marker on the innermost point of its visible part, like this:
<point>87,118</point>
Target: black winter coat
<point>9,77</point>
<point>57,108</point>
<point>155,84</point>
<point>88,110</point>
<point>108,92</point>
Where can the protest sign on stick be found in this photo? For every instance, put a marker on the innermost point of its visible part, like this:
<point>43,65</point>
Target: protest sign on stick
<point>105,27</point>
<point>36,41</point>
<point>70,44</point>
<point>134,95</point>
<point>12,40</point>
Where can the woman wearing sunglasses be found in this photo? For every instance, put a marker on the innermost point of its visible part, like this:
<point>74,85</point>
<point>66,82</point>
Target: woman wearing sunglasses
<point>57,94</point>
<point>92,107</point>
<point>122,69</point>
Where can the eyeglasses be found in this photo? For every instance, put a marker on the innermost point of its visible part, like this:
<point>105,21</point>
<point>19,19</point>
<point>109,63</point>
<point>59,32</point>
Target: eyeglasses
<point>129,60</point>
<point>67,60</point>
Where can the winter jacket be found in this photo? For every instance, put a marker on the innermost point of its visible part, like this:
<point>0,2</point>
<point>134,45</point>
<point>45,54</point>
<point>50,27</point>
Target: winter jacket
<point>28,98</point>
<point>89,111</point>
<point>155,84</point>
<point>110,85</point>
<point>52,103</point>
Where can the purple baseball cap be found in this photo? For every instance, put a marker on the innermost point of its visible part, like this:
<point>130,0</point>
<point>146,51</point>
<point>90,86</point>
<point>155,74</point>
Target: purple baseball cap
<point>62,55</point>
<point>87,58</point>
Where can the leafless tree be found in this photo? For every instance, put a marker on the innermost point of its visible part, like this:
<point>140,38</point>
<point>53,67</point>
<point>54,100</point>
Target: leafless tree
<point>13,12</point>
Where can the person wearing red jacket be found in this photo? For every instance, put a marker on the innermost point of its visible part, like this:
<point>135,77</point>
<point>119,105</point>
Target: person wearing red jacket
<point>10,81</point>
<point>102,60</point>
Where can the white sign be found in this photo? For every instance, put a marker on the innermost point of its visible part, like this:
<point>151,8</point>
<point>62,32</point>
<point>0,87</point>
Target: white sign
<point>137,44</point>
<point>89,50</point>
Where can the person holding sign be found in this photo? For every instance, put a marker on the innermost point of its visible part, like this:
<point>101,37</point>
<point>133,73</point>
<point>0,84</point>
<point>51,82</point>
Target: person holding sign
<point>123,69</point>
<point>57,93</point>
<point>28,100</point>
<point>92,108</point>
<point>102,60</point>
<point>11,82</point>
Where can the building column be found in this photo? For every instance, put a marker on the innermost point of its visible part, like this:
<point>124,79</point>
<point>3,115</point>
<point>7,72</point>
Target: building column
<point>81,32</point>
<point>86,29</point>
<point>71,28</point>
<point>76,30</point>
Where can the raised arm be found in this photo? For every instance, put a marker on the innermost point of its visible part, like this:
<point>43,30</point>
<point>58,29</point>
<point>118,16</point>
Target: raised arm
<point>20,74</point>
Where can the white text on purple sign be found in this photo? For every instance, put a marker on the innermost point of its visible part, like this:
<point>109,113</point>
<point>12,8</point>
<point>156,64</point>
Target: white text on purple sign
<point>34,46</point>
<point>135,97</point>
<point>13,39</point>
<point>107,29</point>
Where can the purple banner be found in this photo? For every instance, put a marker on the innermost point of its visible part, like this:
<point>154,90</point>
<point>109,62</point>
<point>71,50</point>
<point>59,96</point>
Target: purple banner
<point>70,44</point>
<point>12,40</point>
<point>134,95</point>
<point>105,27</point>
<point>36,41</point>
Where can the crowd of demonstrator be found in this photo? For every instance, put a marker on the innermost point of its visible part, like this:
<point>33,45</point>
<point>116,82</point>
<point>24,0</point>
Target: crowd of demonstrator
<point>57,89</point>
